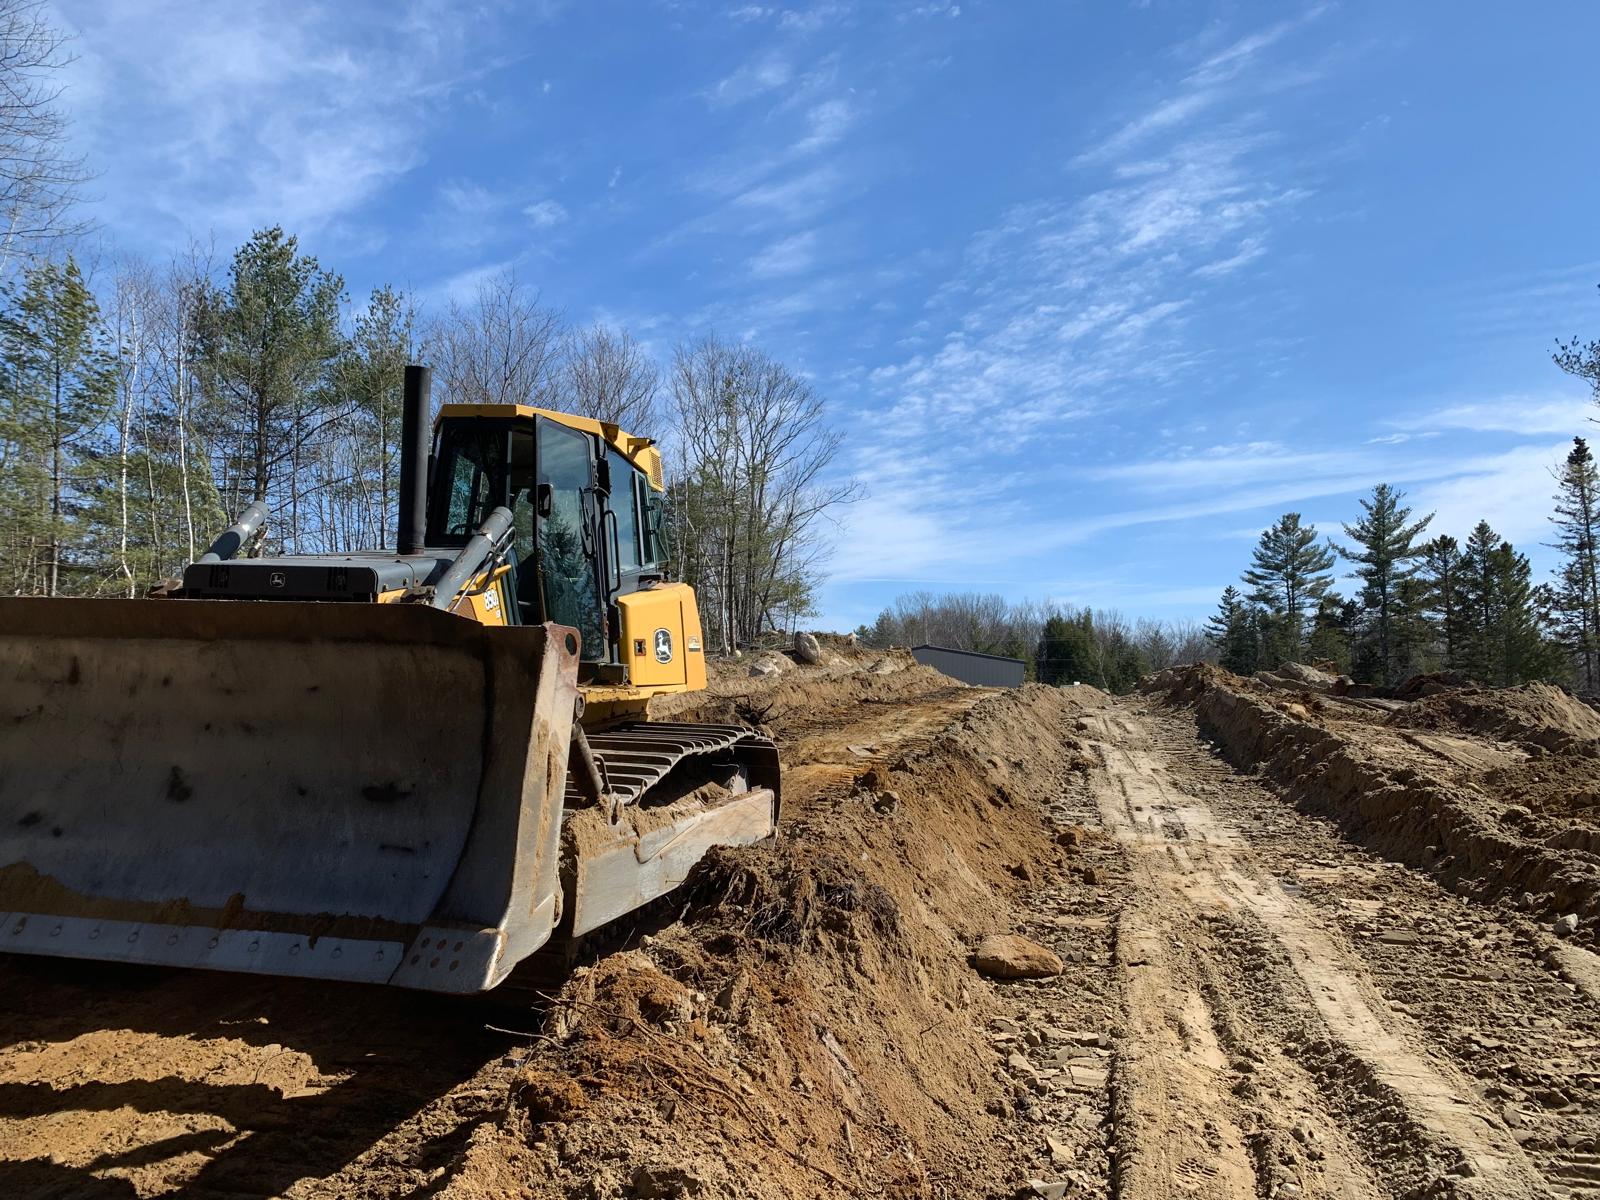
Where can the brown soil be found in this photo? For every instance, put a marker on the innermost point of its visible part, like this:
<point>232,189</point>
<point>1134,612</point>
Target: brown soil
<point>1306,941</point>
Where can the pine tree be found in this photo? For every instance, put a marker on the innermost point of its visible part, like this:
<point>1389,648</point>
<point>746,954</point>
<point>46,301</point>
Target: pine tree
<point>1383,553</point>
<point>1581,359</point>
<point>60,381</point>
<point>1441,567</point>
<point>1577,522</point>
<point>1331,630</point>
<point>268,345</point>
<point>372,376</point>
<point>1234,630</point>
<point>1288,572</point>
<point>1504,642</point>
<point>1066,652</point>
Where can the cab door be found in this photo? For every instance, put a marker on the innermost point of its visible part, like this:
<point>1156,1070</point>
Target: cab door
<point>566,535</point>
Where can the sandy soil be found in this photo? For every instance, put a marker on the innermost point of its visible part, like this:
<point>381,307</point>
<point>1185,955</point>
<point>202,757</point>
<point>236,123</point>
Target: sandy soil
<point>1308,951</point>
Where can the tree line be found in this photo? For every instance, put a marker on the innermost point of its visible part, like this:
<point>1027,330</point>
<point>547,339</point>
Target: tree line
<point>1422,603</point>
<point>141,409</point>
<point>1057,644</point>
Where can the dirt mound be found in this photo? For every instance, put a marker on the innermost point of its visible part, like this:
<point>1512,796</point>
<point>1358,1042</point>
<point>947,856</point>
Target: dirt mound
<point>1431,682</point>
<point>1409,798</point>
<point>810,693</point>
<point>1533,714</point>
<point>812,1026</point>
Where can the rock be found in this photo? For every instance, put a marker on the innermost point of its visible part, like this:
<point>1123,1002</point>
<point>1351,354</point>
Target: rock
<point>887,802</point>
<point>1053,1190</point>
<point>663,1183</point>
<point>1060,1152</point>
<point>850,639</point>
<point>1566,926</point>
<point>1018,1062</point>
<point>1011,956</point>
<point>1397,937</point>
<point>761,669</point>
<point>807,649</point>
<point>1091,876</point>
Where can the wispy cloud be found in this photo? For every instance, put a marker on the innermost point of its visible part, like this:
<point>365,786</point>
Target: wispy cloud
<point>826,124</point>
<point>762,74</point>
<point>268,119</point>
<point>1570,414</point>
<point>545,213</point>
<point>787,256</point>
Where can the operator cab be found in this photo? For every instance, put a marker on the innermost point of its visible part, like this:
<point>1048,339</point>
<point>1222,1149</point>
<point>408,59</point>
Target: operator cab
<point>587,521</point>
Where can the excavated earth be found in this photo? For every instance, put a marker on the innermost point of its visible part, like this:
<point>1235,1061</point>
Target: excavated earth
<point>1309,947</point>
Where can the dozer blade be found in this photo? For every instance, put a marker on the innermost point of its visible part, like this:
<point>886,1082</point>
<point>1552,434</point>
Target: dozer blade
<point>343,791</point>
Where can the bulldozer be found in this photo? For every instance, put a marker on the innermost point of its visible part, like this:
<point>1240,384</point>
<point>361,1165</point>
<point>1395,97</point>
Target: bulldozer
<point>421,767</point>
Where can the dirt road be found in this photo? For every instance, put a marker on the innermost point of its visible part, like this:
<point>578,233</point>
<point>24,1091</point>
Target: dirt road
<point>1259,998</point>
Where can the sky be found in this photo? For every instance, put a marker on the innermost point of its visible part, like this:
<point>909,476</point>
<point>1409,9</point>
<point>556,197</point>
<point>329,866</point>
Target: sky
<point>1094,290</point>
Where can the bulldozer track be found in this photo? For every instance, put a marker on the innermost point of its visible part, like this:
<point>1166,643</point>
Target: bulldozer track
<point>635,758</point>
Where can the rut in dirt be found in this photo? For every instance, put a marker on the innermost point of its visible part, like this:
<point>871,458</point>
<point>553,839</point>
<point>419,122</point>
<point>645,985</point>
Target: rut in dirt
<point>1278,1037</point>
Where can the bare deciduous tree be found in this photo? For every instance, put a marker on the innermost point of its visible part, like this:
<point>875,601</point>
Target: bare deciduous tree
<point>502,347</point>
<point>610,378</point>
<point>39,177</point>
<point>753,493</point>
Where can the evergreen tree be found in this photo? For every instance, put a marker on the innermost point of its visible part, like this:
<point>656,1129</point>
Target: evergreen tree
<point>372,375</point>
<point>59,383</point>
<point>1581,359</point>
<point>1331,632</point>
<point>1289,572</point>
<point>1066,652</point>
<point>1504,642</point>
<point>1412,633</point>
<point>1235,629</point>
<point>1577,522</point>
<point>268,345</point>
<point>1383,553</point>
<point>1441,567</point>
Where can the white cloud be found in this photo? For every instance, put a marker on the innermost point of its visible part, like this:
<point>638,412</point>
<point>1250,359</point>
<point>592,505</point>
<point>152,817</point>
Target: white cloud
<point>1510,414</point>
<point>787,256</point>
<point>755,78</point>
<point>826,123</point>
<point>1514,491</point>
<point>268,119</point>
<point>545,213</point>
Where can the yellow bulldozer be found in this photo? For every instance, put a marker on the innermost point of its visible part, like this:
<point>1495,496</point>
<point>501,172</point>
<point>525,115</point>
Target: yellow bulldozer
<point>414,767</point>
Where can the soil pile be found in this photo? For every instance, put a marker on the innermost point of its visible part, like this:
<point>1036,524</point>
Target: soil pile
<point>1535,713</point>
<point>1431,782</point>
<point>812,1025</point>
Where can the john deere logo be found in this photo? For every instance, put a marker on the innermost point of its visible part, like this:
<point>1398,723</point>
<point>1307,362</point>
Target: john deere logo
<point>663,645</point>
<point>275,579</point>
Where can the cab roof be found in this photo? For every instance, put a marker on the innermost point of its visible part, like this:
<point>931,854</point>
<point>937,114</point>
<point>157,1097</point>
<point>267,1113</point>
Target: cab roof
<point>640,451</point>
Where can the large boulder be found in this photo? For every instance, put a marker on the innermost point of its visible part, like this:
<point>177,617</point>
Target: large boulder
<point>807,649</point>
<point>1012,956</point>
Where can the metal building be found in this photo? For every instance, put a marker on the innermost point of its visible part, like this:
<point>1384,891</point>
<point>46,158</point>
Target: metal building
<point>984,670</point>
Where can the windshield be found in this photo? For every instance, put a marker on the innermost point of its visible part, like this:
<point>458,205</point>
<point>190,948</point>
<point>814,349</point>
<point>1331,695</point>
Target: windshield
<point>482,464</point>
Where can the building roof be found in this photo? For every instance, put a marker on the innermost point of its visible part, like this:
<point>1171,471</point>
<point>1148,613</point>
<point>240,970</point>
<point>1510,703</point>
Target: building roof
<point>969,653</point>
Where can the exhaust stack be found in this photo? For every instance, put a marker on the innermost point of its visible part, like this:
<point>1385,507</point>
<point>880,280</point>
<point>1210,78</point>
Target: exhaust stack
<point>416,440</point>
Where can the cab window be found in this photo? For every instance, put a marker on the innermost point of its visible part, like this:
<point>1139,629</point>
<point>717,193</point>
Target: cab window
<point>566,539</point>
<point>625,504</point>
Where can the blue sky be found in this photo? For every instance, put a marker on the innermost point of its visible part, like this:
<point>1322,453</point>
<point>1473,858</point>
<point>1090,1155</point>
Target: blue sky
<point>1095,289</point>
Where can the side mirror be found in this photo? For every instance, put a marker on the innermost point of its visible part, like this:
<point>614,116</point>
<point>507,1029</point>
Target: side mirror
<point>602,476</point>
<point>545,499</point>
